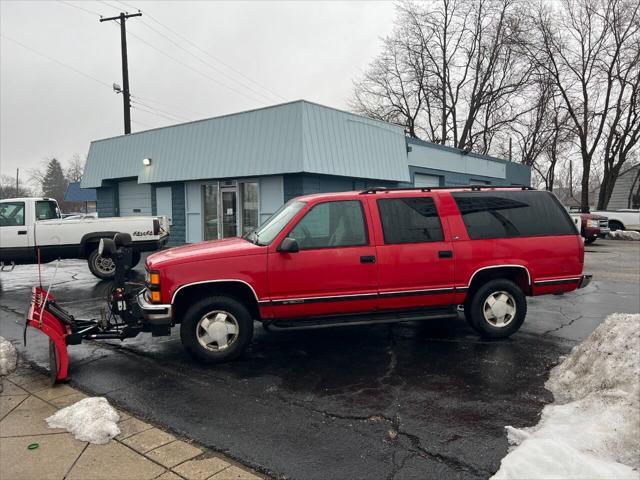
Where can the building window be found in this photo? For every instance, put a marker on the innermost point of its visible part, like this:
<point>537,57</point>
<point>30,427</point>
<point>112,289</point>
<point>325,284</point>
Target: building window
<point>210,211</point>
<point>250,206</point>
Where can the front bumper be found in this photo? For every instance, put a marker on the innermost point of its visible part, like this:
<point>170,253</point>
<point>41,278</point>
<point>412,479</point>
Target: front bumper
<point>603,232</point>
<point>154,314</point>
<point>584,281</point>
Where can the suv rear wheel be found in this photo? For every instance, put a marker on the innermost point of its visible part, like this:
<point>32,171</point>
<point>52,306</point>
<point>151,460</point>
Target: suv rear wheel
<point>497,309</point>
<point>216,329</point>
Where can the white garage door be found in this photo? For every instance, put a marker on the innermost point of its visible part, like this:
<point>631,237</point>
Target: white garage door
<point>134,199</point>
<point>422,180</point>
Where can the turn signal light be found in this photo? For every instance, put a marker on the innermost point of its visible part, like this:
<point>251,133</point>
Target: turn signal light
<point>155,296</point>
<point>154,279</point>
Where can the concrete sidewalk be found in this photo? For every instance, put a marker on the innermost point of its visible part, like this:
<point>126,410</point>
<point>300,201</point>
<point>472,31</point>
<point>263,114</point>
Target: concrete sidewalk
<point>140,452</point>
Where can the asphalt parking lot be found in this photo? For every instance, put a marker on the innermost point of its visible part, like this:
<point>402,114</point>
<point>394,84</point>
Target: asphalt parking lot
<point>417,400</point>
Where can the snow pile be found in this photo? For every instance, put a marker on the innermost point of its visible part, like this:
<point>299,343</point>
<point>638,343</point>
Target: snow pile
<point>91,420</point>
<point>623,235</point>
<point>593,428</point>
<point>8,357</point>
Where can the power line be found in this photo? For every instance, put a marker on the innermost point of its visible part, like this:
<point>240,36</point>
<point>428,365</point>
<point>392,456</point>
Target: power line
<point>157,114</point>
<point>131,95</point>
<point>138,122</point>
<point>80,8</point>
<point>180,107</point>
<point>151,107</point>
<point>204,62</point>
<point>162,52</point>
<point>57,61</point>
<point>182,37</point>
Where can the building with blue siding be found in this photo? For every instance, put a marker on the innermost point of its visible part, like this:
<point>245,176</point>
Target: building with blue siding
<point>223,176</point>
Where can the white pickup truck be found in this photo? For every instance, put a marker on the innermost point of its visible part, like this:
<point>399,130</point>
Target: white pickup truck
<point>32,227</point>
<point>625,219</point>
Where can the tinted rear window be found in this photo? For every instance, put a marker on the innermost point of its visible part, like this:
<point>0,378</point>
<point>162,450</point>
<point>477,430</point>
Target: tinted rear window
<point>410,220</point>
<point>512,214</point>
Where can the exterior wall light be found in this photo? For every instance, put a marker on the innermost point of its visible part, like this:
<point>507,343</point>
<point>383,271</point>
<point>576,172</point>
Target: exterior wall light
<point>146,162</point>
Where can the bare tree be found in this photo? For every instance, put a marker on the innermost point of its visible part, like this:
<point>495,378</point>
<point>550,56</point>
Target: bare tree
<point>9,189</point>
<point>449,73</point>
<point>75,168</point>
<point>580,46</point>
<point>623,127</point>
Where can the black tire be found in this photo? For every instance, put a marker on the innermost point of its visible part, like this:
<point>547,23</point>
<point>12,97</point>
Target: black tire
<point>590,240</point>
<point>191,329</point>
<point>476,313</point>
<point>615,225</point>
<point>97,266</point>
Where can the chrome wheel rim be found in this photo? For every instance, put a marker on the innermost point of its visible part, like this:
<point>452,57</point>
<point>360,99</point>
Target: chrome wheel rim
<point>217,330</point>
<point>106,266</point>
<point>499,309</point>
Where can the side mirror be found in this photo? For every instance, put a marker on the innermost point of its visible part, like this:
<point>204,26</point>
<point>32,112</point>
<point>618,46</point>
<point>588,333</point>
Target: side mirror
<point>289,245</point>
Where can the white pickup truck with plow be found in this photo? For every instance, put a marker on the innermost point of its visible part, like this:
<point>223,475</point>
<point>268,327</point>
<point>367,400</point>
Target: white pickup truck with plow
<point>32,230</point>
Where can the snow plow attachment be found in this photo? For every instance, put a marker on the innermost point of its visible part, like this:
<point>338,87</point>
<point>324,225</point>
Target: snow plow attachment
<point>123,319</point>
<point>45,316</point>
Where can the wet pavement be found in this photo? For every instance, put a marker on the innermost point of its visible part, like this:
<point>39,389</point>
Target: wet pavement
<point>414,400</point>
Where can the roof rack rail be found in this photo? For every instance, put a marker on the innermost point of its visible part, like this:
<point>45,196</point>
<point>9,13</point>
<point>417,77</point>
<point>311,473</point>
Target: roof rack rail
<point>473,188</point>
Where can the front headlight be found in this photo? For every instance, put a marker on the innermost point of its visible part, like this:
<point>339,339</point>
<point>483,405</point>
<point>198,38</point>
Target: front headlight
<point>593,223</point>
<point>152,279</point>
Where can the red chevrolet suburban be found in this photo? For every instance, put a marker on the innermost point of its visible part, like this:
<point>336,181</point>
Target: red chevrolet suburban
<point>376,256</point>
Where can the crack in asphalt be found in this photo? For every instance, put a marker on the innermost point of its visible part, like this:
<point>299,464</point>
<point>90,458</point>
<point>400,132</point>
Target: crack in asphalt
<point>563,325</point>
<point>394,422</point>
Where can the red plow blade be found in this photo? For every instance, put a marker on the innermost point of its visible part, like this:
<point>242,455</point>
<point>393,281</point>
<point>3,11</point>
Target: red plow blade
<point>54,328</point>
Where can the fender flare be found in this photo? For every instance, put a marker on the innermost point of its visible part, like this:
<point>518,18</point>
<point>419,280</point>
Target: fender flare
<point>93,236</point>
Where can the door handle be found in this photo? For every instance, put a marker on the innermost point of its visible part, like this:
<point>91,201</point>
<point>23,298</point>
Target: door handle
<point>368,259</point>
<point>22,232</point>
<point>445,254</point>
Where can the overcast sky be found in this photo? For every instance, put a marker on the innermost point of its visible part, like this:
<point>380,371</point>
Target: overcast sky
<point>271,52</point>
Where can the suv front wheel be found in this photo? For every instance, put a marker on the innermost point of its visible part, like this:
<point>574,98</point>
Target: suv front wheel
<point>216,329</point>
<point>497,309</point>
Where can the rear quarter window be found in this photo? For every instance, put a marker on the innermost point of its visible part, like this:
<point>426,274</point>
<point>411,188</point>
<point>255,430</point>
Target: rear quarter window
<point>507,214</point>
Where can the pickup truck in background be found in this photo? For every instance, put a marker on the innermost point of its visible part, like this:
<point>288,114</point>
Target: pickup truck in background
<point>627,219</point>
<point>590,225</point>
<point>34,226</point>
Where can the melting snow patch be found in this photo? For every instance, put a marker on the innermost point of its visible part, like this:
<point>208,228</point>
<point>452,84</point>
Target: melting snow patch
<point>592,430</point>
<point>623,235</point>
<point>91,420</point>
<point>8,357</point>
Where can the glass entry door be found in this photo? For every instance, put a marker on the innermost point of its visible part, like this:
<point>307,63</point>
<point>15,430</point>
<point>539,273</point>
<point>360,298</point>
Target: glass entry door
<point>210,211</point>
<point>229,213</point>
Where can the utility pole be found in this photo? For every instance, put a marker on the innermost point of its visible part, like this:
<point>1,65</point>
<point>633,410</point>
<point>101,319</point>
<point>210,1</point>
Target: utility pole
<point>17,181</point>
<point>126,95</point>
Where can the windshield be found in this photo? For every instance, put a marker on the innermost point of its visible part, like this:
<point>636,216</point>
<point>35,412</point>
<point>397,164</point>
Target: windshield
<point>265,233</point>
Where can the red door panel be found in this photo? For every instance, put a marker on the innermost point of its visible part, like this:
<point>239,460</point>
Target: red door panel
<point>417,274</point>
<point>321,282</point>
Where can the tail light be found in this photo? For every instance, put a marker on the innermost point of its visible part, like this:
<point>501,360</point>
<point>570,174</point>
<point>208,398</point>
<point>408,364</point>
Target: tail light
<point>156,226</point>
<point>581,249</point>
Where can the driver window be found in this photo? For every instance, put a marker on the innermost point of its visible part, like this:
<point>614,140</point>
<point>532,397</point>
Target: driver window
<point>331,225</point>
